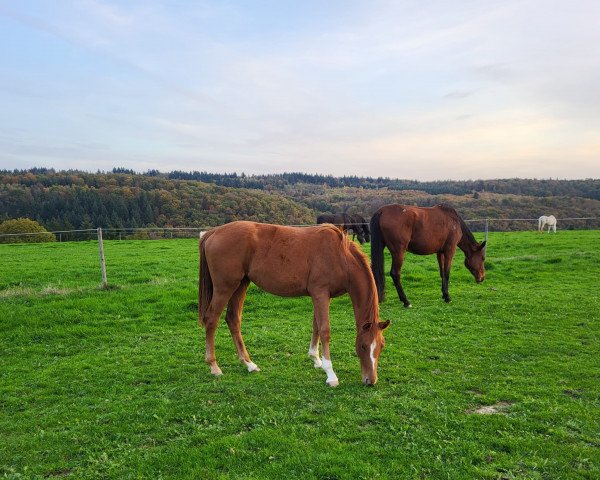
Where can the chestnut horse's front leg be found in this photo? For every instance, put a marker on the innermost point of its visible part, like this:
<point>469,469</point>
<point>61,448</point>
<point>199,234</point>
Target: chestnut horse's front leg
<point>321,308</point>
<point>313,351</point>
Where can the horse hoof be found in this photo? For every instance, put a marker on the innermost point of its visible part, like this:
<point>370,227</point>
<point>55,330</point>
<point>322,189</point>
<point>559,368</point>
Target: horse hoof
<point>333,383</point>
<point>252,367</point>
<point>318,364</point>
<point>407,305</point>
<point>216,371</point>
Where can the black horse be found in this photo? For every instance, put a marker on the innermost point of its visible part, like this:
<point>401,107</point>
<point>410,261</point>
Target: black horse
<point>359,224</point>
<point>346,222</point>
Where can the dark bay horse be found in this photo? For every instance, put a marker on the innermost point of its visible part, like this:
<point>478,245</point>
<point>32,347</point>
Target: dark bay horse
<point>359,224</point>
<point>319,262</point>
<point>423,231</point>
<point>346,222</point>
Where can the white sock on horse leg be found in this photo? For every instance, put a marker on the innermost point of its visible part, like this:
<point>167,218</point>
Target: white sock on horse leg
<point>313,352</point>
<point>252,367</point>
<point>332,379</point>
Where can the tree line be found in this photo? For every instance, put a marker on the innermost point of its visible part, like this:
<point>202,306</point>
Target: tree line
<point>122,198</point>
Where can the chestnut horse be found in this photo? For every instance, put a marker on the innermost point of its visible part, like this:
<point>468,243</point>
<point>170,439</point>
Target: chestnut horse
<point>319,262</point>
<point>423,231</point>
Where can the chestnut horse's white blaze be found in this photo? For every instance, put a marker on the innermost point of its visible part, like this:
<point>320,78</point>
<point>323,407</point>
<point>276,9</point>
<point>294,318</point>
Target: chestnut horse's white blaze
<point>319,262</point>
<point>371,354</point>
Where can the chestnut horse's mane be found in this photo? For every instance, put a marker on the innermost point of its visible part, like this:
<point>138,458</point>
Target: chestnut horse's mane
<point>371,312</point>
<point>372,305</point>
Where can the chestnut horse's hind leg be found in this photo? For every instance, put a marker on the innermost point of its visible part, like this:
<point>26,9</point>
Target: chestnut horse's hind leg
<point>211,320</point>
<point>234,322</point>
<point>221,296</point>
<point>313,351</point>
<point>397,261</point>
<point>321,306</point>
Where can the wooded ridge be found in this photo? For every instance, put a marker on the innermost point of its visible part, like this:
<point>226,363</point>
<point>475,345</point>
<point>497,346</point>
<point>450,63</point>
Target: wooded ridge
<point>64,200</point>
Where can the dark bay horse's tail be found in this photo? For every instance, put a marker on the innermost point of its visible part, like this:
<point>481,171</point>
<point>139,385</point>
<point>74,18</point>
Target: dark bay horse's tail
<point>377,246</point>
<point>205,285</point>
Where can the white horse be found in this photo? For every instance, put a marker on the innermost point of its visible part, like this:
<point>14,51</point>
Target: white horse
<point>547,221</point>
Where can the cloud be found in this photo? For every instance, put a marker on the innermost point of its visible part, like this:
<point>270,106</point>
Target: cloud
<point>435,90</point>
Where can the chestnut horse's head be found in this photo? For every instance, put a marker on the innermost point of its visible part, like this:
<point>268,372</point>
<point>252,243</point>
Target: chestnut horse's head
<point>474,261</point>
<point>369,343</point>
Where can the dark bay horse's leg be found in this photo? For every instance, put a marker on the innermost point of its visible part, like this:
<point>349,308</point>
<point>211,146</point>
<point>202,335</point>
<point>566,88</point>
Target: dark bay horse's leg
<point>445,264</point>
<point>313,351</point>
<point>234,322</point>
<point>397,261</point>
<point>441,258</point>
<point>321,307</point>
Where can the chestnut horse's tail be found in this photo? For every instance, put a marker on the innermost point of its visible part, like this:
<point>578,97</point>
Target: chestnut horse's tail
<point>377,246</point>
<point>205,285</point>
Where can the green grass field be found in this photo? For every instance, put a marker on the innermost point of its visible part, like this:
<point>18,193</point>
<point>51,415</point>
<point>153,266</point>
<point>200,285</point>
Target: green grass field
<point>112,383</point>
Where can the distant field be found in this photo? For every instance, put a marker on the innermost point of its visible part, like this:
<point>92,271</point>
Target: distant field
<point>112,384</point>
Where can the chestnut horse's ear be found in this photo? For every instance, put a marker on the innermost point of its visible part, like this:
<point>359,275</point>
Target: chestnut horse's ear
<point>482,245</point>
<point>367,326</point>
<point>383,325</point>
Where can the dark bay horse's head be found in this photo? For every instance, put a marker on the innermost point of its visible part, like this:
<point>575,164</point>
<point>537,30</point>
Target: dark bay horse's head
<point>369,343</point>
<point>366,231</point>
<point>474,261</point>
<point>359,233</point>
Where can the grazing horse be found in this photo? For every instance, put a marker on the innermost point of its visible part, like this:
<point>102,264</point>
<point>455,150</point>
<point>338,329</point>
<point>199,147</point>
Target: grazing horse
<point>549,221</point>
<point>361,225</point>
<point>319,262</point>
<point>423,231</point>
<point>344,222</point>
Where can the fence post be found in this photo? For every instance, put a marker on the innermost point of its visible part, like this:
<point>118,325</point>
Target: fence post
<point>102,263</point>
<point>486,237</point>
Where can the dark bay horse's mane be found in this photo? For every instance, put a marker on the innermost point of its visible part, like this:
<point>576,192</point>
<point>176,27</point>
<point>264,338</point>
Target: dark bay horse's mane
<point>465,229</point>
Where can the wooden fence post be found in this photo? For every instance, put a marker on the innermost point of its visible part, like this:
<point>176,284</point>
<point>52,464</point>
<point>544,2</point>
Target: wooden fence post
<point>102,262</point>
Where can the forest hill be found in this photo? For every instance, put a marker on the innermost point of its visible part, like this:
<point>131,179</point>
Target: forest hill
<point>63,200</point>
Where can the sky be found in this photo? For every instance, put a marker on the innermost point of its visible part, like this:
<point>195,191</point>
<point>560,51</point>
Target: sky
<point>419,90</point>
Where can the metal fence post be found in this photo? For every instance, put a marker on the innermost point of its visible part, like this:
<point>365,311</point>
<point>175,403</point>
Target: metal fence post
<point>102,262</point>
<point>486,237</point>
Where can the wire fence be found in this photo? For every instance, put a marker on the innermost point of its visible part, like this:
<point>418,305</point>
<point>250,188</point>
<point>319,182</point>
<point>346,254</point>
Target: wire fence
<point>155,233</point>
<point>151,233</point>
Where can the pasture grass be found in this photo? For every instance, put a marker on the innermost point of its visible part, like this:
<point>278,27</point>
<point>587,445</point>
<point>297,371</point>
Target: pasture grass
<point>112,384</point>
